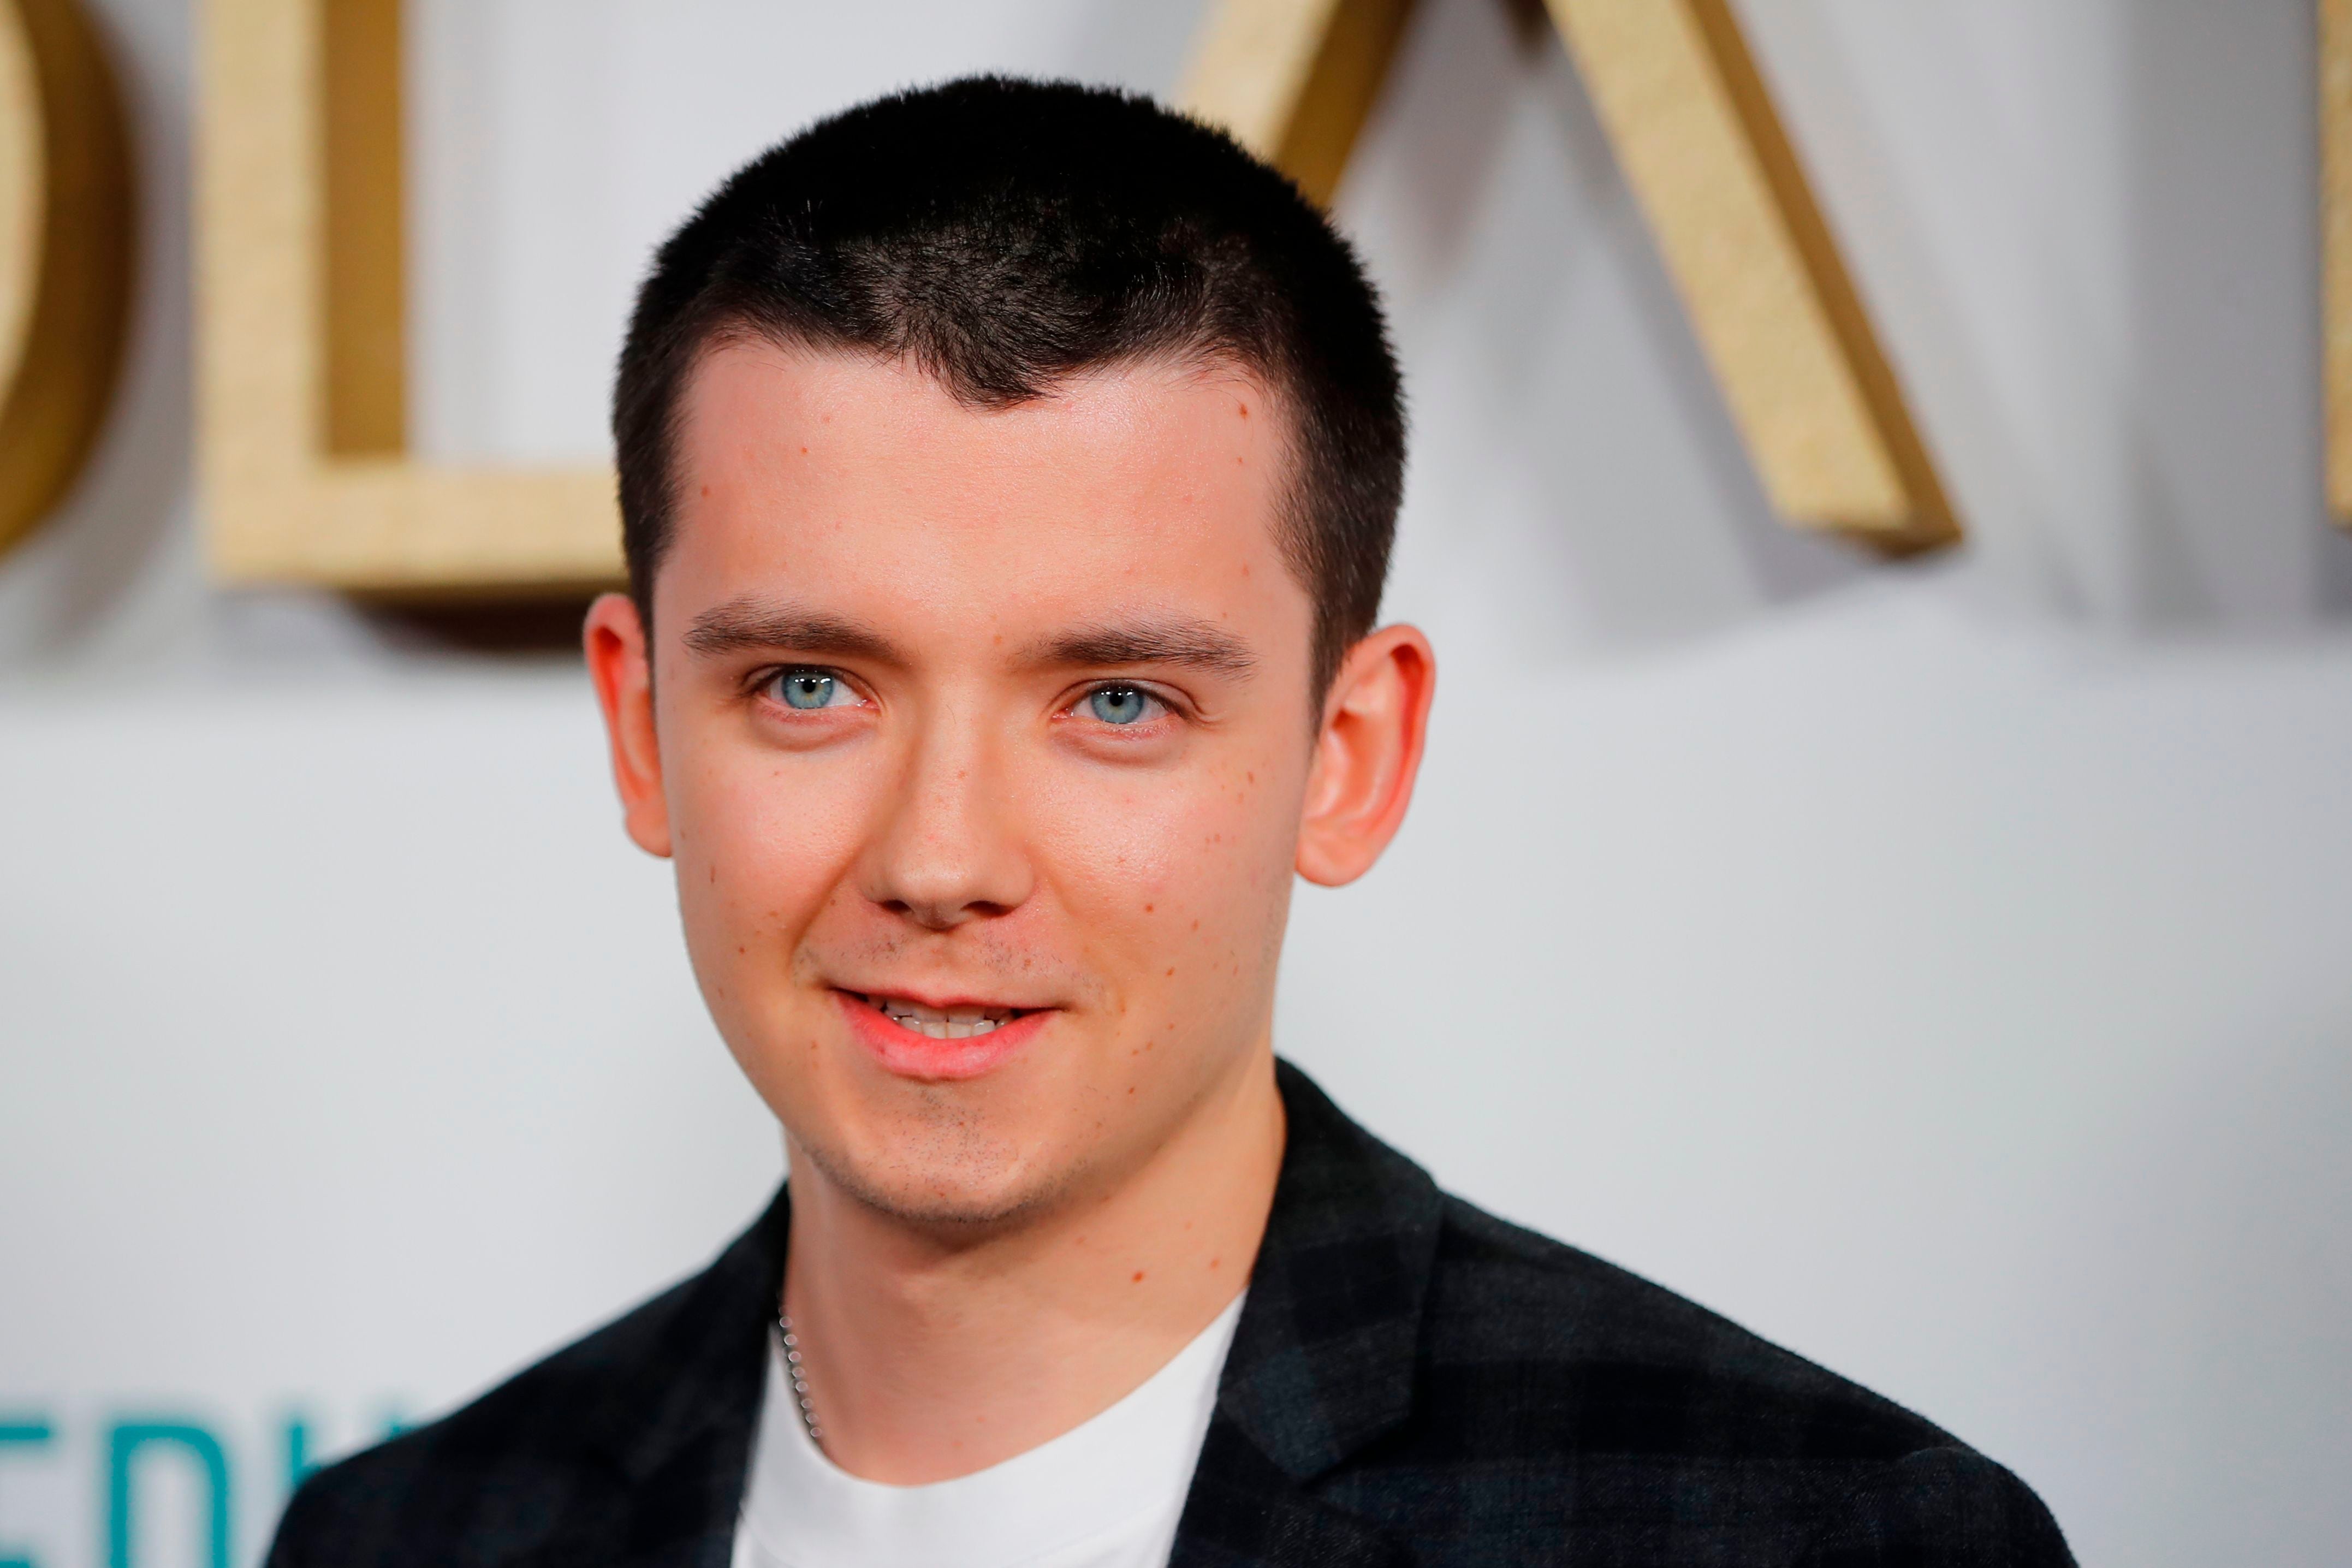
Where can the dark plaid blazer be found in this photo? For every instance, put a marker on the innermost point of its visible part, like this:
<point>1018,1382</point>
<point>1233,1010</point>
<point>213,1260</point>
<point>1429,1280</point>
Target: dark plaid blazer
<point>1412,1381</point>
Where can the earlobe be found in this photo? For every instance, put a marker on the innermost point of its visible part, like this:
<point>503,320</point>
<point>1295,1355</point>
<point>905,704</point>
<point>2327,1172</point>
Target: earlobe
<point>620,665</point>
<point>1367,755</point>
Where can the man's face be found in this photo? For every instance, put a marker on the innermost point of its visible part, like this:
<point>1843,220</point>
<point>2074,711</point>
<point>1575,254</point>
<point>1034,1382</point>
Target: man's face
<point>992,725</point>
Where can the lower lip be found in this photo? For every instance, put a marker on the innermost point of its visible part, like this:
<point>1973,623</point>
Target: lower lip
<point>905,1052</point>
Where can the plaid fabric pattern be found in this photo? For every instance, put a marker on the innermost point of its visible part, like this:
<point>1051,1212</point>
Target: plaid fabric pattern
<point>1412,1381</point>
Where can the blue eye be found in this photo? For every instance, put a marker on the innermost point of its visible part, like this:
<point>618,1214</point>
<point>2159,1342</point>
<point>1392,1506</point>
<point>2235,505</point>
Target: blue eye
<point>807,689</point>
<point>1119,704</point>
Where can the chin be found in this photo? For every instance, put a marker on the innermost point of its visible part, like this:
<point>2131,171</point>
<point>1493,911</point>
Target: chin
<point>948,1173</point>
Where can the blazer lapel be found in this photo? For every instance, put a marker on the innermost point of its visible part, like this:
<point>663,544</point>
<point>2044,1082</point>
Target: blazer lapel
<point>676,1432</point>
<point>1323,1359</point>
<point>1245,1509</point>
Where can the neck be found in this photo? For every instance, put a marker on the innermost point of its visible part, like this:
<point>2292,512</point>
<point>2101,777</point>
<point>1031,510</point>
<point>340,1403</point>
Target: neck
<point>931,1358</point>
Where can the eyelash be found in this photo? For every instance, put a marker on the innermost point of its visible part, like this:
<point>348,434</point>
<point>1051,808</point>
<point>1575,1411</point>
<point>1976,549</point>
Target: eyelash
<point>1176,708</point>
<point>762,682</point>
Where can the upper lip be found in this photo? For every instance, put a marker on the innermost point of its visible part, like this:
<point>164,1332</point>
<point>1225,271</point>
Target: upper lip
<point>941,1001</point>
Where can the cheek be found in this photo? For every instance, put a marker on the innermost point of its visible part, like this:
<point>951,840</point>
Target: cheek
<point>1171,878</point>
<point>761,842</point>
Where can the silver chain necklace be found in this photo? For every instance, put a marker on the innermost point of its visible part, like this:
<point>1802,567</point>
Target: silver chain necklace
<point>799,1375</point>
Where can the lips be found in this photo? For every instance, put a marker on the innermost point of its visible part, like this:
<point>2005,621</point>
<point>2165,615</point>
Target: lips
<point>932,1043</point>
<point>961,1023</point>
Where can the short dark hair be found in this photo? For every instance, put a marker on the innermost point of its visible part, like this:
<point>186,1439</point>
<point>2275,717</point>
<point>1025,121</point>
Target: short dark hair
<point>1006,234</point>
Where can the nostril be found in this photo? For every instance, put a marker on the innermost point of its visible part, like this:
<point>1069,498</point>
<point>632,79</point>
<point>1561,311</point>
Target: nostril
<point>943,916</point>
<point>939,917</point>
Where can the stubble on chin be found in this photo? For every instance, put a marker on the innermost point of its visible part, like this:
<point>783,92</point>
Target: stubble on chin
<point>945,1171</point>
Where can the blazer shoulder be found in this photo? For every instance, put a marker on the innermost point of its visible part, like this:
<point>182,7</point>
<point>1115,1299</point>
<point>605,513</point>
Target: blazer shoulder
<point>1608,1336</point>
<point>489,1479</point>
<point>1939,1508</point>
<point>1594,1368</point>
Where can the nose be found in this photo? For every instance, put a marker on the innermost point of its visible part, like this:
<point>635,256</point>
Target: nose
<point>949,850</point>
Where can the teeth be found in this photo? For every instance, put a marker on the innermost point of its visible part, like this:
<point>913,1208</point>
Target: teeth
<point>960,1024</point>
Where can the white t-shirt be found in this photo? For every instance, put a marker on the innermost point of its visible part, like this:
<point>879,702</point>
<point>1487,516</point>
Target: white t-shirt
<point>1105,1494</point>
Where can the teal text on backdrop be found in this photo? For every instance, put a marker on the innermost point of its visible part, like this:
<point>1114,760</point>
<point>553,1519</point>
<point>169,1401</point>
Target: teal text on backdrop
<point>124,1452</point>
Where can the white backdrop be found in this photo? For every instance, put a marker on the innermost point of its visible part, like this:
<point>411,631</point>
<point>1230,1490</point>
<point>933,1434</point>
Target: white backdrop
<point>1942,971</point>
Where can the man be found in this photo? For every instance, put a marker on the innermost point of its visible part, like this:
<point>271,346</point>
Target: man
<point>1008,475</point>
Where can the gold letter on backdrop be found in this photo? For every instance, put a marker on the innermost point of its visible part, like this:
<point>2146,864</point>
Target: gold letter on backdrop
<point>1807,384</point>
<point>1292,79</point>
<point>304,422</point>
<point>65,252</point>
<point>2335,234</point>
<point>301,304</point>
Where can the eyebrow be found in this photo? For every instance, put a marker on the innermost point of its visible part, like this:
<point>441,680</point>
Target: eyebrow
<point>1194,643</point>
<point>748,625</point>
<point>744,626</point>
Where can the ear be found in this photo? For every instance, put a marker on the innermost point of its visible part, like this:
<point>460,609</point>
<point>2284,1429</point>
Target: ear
<point>1367,754</point>
<point>620,664</point>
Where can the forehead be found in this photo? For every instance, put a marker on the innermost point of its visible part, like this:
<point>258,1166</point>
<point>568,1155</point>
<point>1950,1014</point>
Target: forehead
<point>846,481</point>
